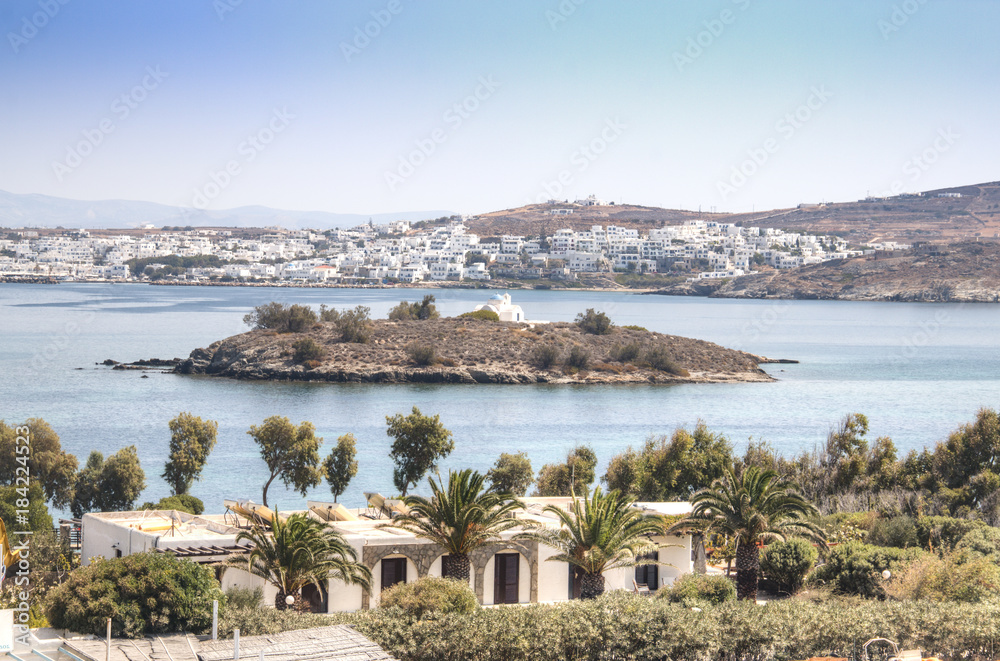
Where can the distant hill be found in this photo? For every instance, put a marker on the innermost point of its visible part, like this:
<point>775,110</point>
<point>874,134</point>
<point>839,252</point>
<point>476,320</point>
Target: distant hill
<point>973,215</point>
<point>45,211</point>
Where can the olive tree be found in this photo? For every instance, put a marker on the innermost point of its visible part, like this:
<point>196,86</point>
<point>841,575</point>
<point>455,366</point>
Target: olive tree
<point>341,466</point>
<point>191,441</point>
<point>420,441</point>
<point>109,485</point>
<point>47,463</point>
<point>511,474</point>
<point>290,452</point>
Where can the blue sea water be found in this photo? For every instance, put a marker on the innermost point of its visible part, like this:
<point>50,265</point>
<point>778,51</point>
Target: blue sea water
<point>917,370</point>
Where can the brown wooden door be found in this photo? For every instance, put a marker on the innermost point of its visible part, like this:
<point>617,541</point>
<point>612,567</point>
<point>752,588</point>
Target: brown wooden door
<point>393,571</point>
<point>506,578</point>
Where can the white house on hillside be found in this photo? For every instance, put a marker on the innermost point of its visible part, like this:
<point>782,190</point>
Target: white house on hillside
<point>501,304</point>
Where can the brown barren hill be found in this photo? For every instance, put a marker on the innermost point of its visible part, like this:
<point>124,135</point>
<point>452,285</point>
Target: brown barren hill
<point>456,350</point>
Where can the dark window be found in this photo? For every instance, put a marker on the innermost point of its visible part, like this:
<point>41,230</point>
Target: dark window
<point>393,571</point>
<point>505,578</point>
<point>118,553</point>
<point>649,574</point>
<point>444,566</point>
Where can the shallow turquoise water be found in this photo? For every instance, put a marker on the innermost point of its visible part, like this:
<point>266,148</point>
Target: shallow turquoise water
<point>917,371</point>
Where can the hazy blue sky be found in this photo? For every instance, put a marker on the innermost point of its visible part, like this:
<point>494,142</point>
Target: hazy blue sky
<point>474,106</point>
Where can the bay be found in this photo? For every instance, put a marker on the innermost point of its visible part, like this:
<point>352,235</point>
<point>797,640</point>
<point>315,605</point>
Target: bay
<point>917,370</point>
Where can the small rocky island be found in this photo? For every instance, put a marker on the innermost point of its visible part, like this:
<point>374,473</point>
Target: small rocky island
<point>347,347</point>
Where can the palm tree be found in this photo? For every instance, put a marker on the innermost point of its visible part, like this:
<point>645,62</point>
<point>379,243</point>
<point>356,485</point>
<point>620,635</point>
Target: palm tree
<point>297,552</point>
<point>459,520</point>
<point>754,508</point>
<point>604,533</point>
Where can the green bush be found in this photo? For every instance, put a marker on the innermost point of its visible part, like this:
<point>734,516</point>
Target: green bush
<point>856,568</point>
<point>692,588</point>
<point>899,531</point>
<point>280,317</point>
<point>787,563</point>
<point>481,315</point>
<point>984,541</point>
<point>944,532</point>
<point>353,325</point>
<point>619,625</point>
<point>625,353</point>
<point>636,328</point>
<point>658,358</point>
<point>244,598</point>
<point>421,354</point>
<point>307,349</point>
<point>578,358</point>
<point>430,594</point>
<point>263,621</point>
<point>406,311</point>
<point>184,502</point>
<point>544,356</point>
<point>959,576</point>
<point>594,323</point>
<point>142,593</point>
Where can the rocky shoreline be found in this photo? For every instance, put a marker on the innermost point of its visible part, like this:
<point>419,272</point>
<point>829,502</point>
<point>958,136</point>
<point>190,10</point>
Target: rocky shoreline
<point>468,351</point>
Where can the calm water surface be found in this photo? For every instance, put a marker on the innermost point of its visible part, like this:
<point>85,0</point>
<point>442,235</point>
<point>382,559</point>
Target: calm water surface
<point>917,371</point>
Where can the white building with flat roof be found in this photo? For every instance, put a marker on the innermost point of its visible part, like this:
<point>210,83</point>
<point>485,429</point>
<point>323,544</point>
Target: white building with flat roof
<point>509,571</point>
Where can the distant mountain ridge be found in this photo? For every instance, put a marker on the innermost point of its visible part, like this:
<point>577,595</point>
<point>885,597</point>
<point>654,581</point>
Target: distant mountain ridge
<point>32,210</point>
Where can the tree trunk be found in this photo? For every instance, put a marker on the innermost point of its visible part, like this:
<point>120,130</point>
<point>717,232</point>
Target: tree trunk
<point>591,585</point>
<point>266,485</point>
<point>279,601</point>
<point>457,566</point>
<point>747,569</point>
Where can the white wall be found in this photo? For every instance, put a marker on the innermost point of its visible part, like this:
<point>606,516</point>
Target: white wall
<point>553,576</point>
<point>677,552</point>
<point>100,537</point>
<point>240,578</point>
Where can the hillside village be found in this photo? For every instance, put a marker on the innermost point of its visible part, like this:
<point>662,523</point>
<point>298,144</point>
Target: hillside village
<point>397,252</point>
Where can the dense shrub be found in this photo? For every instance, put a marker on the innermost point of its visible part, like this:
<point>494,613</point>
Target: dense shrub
<point>624,626</point>
<point>944,532</point>
<point>407,311</point>
<point>544,356</point>
<point>787,563</point>
<point>244,598</point>
<point>899,531</point>
<point>856,568</point>
<point>262,621</point>
<point>353,325</point>
<point>307,349</point>
<point>141,593</point>
<point>421,354</point>
<point>984,541</point>
<point>692,588</point>
<point>578,358</point>
<point>636,328</point>
<point>184,502</point>
<point>280,317</point>
<point>430,594</point>
<point>958,576</point>
<point>481,315</point>
<point>625,353</point>
<point>594,323</point>
<point>658,358</point>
